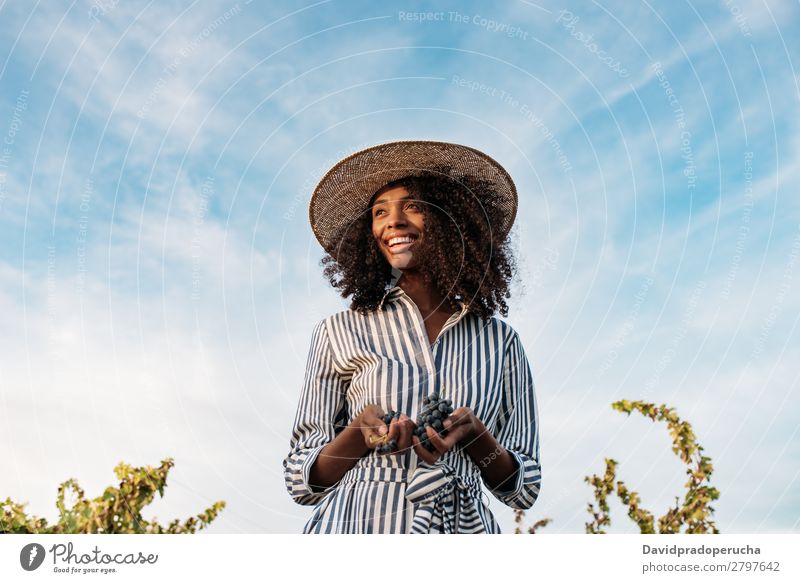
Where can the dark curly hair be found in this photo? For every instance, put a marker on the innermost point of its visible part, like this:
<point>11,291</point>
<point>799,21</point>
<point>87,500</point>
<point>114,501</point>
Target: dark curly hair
<point>464,258</point>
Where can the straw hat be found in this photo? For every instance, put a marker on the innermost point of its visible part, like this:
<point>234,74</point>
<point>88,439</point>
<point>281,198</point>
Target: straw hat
<point>346,189</point>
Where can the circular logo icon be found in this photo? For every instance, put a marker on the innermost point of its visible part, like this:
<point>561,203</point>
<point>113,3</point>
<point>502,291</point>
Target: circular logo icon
<point>31,556</point>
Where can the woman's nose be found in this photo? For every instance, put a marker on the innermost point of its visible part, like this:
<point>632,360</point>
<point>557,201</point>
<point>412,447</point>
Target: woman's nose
<point>396,217</point>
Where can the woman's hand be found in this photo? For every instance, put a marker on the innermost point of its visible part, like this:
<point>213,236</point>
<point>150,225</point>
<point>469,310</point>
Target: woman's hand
<point>461,425</point>
<point>401,429</point>
<point>375,430</point>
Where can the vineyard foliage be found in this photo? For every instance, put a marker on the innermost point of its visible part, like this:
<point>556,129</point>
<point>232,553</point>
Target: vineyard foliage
<point>693,513</point>
<point>117,511</point>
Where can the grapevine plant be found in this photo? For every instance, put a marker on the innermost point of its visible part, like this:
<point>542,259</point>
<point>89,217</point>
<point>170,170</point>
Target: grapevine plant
<point>694,513</point>
<point>116,511</point>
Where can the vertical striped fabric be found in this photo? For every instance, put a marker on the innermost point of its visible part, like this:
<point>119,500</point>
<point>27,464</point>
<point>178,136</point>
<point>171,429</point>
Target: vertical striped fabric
<point>385,358</point>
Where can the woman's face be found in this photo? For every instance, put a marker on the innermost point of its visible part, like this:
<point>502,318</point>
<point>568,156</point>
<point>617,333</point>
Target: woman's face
<point>396,218</point>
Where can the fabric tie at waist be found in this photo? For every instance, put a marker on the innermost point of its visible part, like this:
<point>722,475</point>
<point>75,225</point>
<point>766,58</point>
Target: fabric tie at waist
<point>440,493</point>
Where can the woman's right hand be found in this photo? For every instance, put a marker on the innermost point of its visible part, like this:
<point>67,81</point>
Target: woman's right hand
<point>373,428</point>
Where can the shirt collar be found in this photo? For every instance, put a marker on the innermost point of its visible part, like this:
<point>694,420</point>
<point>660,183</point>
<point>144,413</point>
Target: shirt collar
<point>393,293</point>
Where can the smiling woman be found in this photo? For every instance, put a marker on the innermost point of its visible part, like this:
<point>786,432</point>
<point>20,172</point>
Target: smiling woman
<point>416,234</point>
<point>464,248</point>
<point>395,206</point>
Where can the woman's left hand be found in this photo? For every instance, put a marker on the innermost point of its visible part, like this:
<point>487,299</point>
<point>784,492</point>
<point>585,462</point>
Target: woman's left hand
<point>461,425</point>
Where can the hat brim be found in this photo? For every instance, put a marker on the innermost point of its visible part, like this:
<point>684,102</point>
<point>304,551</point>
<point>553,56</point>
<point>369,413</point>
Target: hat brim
<point>347,188</point>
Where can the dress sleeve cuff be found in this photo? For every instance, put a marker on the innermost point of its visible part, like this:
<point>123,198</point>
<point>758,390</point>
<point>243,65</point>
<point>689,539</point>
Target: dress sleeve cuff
<point>525,489</point>
<point>311,457</point>
<point>510,488</point>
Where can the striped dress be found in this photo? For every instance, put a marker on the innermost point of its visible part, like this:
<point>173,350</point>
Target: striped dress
<point>385,358</point>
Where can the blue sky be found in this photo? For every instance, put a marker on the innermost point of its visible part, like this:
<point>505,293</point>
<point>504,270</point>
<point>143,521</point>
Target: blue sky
<point>159,280</point>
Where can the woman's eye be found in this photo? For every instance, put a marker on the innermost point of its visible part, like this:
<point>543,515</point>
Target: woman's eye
<point>377,212</point>
<point>413,205</point>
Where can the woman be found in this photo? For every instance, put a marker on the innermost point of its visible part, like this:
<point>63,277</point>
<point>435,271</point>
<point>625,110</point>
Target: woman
<point>415,232</point>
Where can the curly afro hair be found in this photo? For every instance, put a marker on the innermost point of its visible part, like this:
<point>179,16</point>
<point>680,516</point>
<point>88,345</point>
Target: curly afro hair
<point>464,259</point>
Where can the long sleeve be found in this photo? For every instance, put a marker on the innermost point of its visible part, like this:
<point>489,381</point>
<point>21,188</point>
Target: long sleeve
<point>321,415</point>
<point>517,428</point>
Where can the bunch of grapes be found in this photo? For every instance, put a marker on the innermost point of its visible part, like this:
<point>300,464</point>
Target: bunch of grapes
<point>391,444</point>
<point>434,411</point>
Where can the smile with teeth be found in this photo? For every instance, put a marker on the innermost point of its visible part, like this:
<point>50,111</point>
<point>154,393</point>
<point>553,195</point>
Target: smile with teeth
<point>398,244</point>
